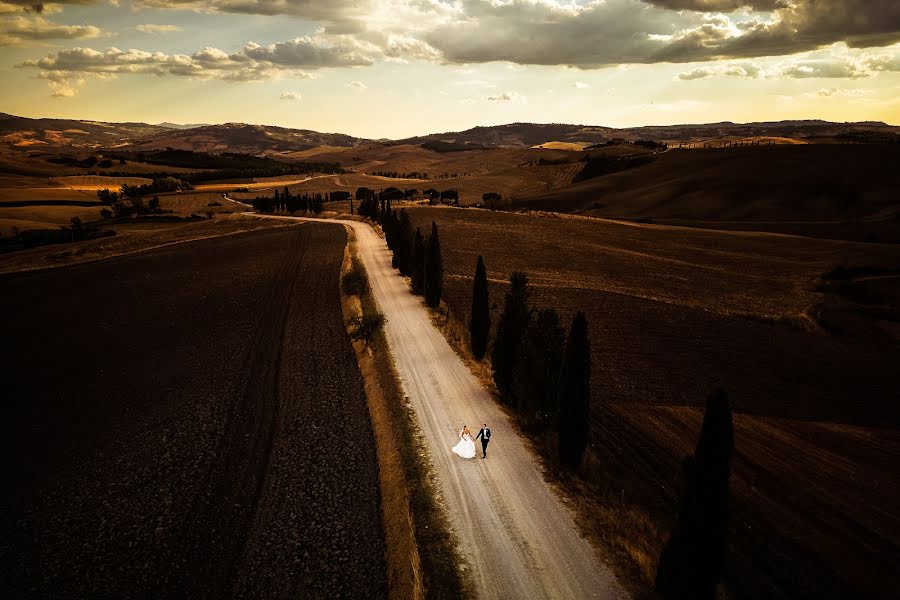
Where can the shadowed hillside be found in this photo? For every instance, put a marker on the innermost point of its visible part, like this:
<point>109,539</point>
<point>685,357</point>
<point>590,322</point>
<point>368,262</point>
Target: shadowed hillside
<point>841,191</point>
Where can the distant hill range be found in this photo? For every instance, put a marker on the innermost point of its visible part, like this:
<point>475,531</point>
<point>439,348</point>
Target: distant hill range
<point>532,134</point>
<point>266,139</point>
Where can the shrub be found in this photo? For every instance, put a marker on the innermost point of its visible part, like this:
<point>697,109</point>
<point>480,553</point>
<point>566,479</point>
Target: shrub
<point>366,326</point>
<point>355,282</point>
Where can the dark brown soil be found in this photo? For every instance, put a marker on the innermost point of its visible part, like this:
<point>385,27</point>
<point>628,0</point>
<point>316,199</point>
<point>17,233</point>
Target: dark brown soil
<point>188,422</point>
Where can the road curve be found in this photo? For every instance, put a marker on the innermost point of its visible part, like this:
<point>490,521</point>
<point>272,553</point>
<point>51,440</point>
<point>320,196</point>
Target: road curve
<point>517,537</point>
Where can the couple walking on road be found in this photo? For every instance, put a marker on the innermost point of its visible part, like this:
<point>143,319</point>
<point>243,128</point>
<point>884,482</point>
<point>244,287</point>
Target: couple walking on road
<point>466,446</point>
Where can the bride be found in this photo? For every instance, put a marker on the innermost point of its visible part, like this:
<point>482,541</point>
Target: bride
<point>466,446</point>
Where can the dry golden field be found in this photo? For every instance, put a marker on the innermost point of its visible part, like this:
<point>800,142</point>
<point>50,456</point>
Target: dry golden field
<point>100,182</point>
<point>675,312</point>
<point>43,217</point>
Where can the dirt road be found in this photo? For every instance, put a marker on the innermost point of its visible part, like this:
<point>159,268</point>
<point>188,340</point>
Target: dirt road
<point>518,538</point>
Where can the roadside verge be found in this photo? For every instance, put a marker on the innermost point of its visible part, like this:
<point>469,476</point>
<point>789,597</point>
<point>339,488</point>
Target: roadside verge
<point>421,556</point>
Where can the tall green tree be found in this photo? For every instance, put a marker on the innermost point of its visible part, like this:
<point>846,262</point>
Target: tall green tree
<point>403,245</point>
<point>690,565</point>
<point>434,269</point>
<point>418,263</point>
<point>575,394</point>
<point>480,322</point>
<point>538,369</point>
<point>510,333</point>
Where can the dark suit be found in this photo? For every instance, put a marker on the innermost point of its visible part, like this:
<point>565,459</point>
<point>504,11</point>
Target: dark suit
<point>485,434</point>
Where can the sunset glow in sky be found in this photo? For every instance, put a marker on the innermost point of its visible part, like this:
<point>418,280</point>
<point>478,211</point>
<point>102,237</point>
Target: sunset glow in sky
<point>396,68</point>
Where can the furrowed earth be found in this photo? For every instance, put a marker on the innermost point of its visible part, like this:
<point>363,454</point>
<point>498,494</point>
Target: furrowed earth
<point>194,423</point>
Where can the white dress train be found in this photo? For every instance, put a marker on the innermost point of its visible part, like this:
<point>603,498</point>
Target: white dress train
<point>466,446</point>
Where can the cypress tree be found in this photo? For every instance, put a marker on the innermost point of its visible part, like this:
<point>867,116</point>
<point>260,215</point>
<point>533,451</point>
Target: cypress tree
<point>434,269</point>
<point>480,323</point>
<point>510,333</point>
<point>418,263</point>
<point>404,243</point>
<point>690,565</point>
<point>575,394</point>
<point>538,368</point>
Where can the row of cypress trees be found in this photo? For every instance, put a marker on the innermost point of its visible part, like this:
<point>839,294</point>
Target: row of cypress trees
<point>539,371</point>
<point>414,255</point>
<point>546,376</point>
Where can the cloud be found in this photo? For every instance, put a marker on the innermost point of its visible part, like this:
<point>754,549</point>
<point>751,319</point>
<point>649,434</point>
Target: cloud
<point>294,96</point>
<point>839,93</point>
<point>33,6</point>
<point>599,34</point>
<point>251,63</point>
<point>359,85</point>
<point>311,52</point>
<point>719,5</point>
<point>25,29</point>
<point>158,29</point>
<point>506,97</point>
<point>742,70</point>
<point>586,34</point>
<point>837,64</point>
<point>581,85</point>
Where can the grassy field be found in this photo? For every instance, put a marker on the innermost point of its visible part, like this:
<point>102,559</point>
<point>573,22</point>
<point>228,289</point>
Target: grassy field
<point>100,182</point>
<point>43,217</point>
<point>675,312</point>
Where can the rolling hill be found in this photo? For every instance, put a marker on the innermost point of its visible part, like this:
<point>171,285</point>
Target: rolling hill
<point>532,134</point>
<point>242,138</point>
<point>24,133</point>
<point>268,139</point>
<point>806,189</point>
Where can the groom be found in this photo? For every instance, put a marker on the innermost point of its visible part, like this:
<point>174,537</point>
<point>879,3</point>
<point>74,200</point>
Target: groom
<point>485,435</point>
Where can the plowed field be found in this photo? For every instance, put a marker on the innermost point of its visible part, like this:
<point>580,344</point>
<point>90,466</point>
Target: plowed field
<point>188,421</point>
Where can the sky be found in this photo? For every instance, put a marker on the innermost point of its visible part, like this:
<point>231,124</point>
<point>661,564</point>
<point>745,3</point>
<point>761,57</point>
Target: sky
<point>398,68</point>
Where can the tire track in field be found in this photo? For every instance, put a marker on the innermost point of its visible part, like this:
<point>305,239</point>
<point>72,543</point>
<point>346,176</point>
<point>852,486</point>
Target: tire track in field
<point>237,474</point>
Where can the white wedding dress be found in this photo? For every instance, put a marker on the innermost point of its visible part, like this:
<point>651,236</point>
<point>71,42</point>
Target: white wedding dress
<point>466,446</point>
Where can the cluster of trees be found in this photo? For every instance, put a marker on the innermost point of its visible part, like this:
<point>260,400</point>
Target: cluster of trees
<point>32,238</point>
<point>288,202</point>
<point>540,372</point>
<point>598,164</point>
<point>396,175</point>
<point>158,186</point>
<point>127,202</point>
<point>495,200</point>
<point>95,160</point>
<point>651,144</point>
<point>414,254</point>
<point>452,175</point>
<point>545,376</point>
<point>442,196</point>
